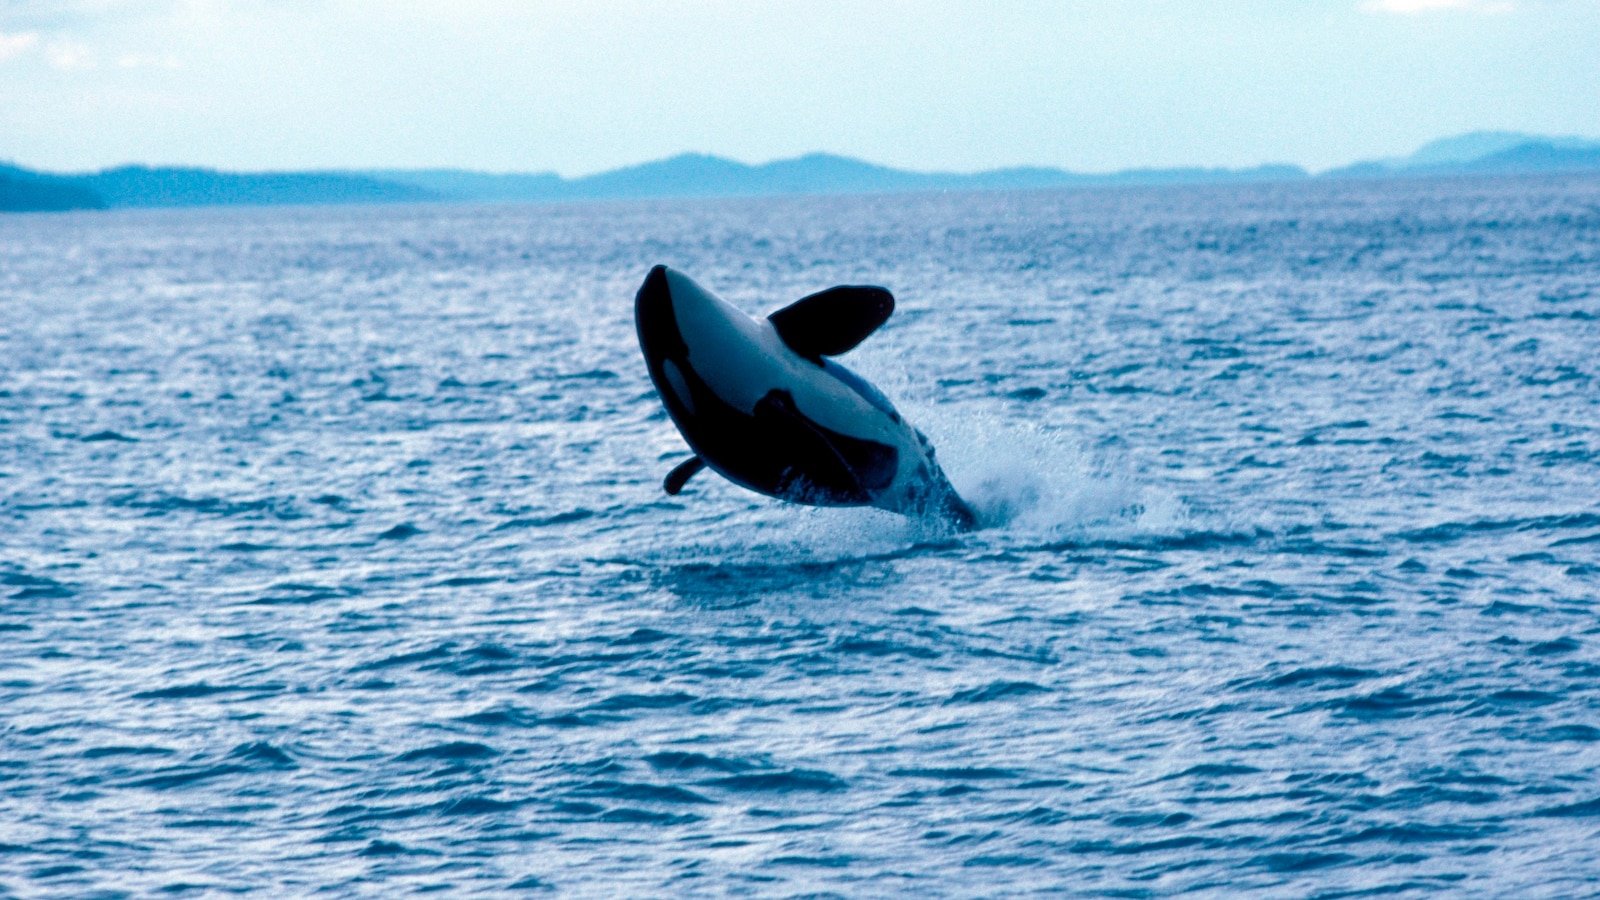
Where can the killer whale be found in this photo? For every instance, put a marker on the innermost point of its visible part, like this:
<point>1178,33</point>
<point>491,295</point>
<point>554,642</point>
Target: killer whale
<point>762,403</point>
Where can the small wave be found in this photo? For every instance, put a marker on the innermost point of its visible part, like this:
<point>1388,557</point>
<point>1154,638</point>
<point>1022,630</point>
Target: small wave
<point>1584,539</point>
<point>1151,820</point>
<point>781,782</point>
<point>1446,532</point>
<point>450,751</point>
<point>561,518</point>
<point>822,862</point>
<point>401,532</point>
<point>158,504</point>
<point>1196,540</point>
<point>35,587</point>
<point>960,773</point>
<point>469,580</point>
<point>586,375</point>
<point>862,646</point>
<point>1212,770</point>
<point>1389,703</point>
<point>626,702</point>
<point>1003,860</point>
<point>639,636</point>
<point>639,792</point>
<point>1417,833</point>
<point>1305,861</point>
<point>100,752</point>
<point>1506,608</point>
<point>503,716</point>
<point>296,594</point>
<point>206,689</point>
<point>386,848</point>
<point>680,761</point>
<point>1513,700</point>
<point>1554,647</point>
<point>183,776</point>
<point>1135,848</point>
<point>405,659</point>
<point>1312,676</point>
<point>1044,816</point>
<point>631,816</point>
<point>351,814</point>
<point>997,690</point>
<point>477,806</point>
<point>1586,734</point>
<point>261,754</point>
<point>1311,547</point>
<point>114,436</point>
<point>483,659</point>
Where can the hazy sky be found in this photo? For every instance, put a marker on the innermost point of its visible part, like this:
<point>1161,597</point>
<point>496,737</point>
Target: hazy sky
<point>582,86</point>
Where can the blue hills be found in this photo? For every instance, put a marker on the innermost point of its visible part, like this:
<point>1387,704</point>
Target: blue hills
<point>839,174</point>
<point>25,191</point>
<point>1485,153</point>
<point>700,175</point>
<point>145,186</point>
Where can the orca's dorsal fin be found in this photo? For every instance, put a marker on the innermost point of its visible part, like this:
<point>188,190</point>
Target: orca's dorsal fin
<point>833,321</point>
<point>681,473</point>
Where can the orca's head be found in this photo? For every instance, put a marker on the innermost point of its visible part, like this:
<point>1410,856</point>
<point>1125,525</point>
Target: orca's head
<point>657,321</point>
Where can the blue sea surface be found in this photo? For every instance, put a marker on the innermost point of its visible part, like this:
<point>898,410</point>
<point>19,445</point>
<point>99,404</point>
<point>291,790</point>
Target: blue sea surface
<point>334,558</point>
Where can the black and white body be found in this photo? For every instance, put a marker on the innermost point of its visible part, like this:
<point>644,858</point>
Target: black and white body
<point>762,403</point>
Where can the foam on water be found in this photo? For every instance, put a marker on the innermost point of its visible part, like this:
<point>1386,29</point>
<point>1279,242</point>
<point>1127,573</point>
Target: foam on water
<point>1029,485</point>
<point>1040,484</point>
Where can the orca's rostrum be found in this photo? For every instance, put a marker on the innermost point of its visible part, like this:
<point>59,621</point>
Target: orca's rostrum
<point>762,403</point>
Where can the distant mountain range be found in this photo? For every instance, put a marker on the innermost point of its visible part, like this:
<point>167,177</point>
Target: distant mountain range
<point>697,175</point>
<point>143,186</point>
<point>1485,153</point>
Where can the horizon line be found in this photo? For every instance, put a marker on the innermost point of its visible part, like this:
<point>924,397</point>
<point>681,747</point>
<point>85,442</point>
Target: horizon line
<point>442,167</point>
<point>1024,166</point>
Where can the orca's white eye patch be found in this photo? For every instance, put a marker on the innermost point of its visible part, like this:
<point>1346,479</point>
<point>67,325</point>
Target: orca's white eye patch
<point>680,388</point>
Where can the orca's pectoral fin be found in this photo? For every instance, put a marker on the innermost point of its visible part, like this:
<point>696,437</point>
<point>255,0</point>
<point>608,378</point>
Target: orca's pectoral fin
<point>831,322</point>
<point>681,473</point>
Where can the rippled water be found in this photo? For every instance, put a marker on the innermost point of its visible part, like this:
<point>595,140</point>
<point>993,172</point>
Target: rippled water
<point>334,558</point>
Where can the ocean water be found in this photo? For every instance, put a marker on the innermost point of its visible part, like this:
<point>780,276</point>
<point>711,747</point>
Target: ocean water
<point>334,558</point>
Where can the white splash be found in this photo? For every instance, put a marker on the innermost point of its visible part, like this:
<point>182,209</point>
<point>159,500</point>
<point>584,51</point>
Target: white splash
<point>1037,482</point>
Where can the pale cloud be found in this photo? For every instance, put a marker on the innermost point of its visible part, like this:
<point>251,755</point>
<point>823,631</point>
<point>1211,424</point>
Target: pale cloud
<point>55,15</point>
<point>68,56</point>
<point>17,44</point>
<point>1418,7</point>
<point>148,61</point>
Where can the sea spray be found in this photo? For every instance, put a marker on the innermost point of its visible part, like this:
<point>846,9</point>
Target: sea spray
<point>1042,482</point>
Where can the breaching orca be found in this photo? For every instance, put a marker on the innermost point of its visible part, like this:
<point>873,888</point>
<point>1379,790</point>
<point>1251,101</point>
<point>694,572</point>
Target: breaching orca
<point>761,402</point>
